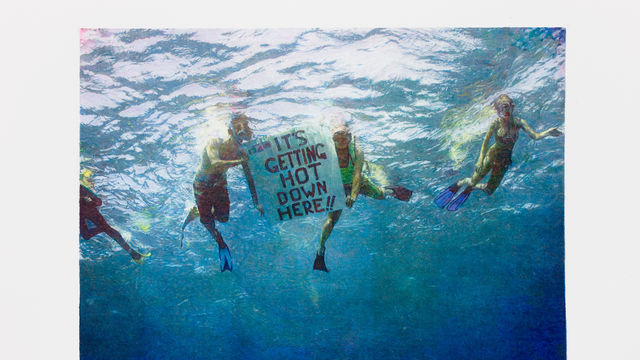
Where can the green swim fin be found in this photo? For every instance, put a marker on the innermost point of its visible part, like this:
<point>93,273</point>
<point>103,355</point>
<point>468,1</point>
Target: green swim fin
<point>140,260</point>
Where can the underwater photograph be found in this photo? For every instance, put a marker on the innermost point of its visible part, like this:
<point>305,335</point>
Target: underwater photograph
<point>353,193</point>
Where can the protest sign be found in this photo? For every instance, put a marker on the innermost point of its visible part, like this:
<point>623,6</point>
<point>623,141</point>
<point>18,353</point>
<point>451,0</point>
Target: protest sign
<point>296,173</point>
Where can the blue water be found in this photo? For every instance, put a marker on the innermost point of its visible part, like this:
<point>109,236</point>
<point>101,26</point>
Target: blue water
<point>407,280</point>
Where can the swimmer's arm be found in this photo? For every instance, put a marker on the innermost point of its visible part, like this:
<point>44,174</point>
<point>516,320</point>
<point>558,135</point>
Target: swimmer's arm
<point>251,183</point>
<point>249,177</point>
<point>217,165</point>
<point>485,144</point>
<point>554,131</point>
<point>357,173</point>
<point>193,213</point>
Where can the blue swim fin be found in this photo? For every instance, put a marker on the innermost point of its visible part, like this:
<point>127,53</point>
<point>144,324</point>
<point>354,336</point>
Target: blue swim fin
<point>446,195</point>
<point>225,259</point>
<point>460,199</point>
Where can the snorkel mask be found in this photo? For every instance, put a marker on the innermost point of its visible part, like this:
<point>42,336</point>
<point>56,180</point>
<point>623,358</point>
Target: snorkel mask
<point>240,131</point>
<point>503,105</point>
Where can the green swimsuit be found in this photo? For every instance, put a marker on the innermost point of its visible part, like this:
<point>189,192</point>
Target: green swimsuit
<point>366,186</point>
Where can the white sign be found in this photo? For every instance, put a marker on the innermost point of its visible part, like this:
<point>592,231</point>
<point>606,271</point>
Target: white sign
<point>296,173</point>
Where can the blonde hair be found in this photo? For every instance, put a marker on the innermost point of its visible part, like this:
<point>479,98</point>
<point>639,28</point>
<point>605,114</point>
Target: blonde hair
<point>239,117</point>
<point>340,128</point>
<point>502,99</point>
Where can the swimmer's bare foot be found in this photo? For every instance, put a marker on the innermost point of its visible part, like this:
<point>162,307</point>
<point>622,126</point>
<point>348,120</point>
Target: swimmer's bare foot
<point>138,258</point>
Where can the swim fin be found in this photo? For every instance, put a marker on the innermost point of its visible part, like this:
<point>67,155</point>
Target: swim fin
<point>446,195</point>
<point>399,192</point>
<point>319,264</point>
<point>225,259</point>
<point>460,199</point>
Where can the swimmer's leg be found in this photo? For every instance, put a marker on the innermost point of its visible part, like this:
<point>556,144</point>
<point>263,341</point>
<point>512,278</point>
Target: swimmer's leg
<point>115,235</point>
<point>478,174</point>
<point>212,206</point>
<point>370,189</point>
<point>215,207</point>
<point>223,250</point>
<point>193,213</point>
<point>217,236</point>
<point>497,173</point>
<point>102,226</point>
<point>471,183</point>
<point>90,214</point>
<point>374,191</point>
<point>93,232</point>
<point>332,219</point>
<point>87,233</point>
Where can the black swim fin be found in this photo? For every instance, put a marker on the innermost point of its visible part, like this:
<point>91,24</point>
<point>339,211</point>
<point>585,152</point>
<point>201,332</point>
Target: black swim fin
<point>399,192</point>
<point>319,264</point>
<point>446,195</point>
<point>225,259</point>
<point>460,199</point>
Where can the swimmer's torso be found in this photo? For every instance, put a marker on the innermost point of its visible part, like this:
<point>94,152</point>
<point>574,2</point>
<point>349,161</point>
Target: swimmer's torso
<point>206,172</point>
<point>346,160</point>
<point>506,136</point>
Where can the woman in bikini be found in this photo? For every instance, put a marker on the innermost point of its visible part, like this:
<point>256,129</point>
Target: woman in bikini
<point>497,159</point>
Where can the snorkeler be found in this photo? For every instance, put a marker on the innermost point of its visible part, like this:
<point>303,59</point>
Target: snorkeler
<point>497,159</point>
<point>351,160</point>
<point>210,183</point>
<point>92,223</point>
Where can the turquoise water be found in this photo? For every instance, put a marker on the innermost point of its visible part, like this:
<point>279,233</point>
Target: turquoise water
<point>407,280</point>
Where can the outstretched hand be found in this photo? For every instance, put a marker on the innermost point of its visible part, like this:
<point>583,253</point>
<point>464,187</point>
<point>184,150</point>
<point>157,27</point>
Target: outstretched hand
<point>555,132</point>
<point>261,209</point>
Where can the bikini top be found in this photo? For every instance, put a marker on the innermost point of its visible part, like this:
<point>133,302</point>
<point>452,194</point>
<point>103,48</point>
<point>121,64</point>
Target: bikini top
<point>507,140</point>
